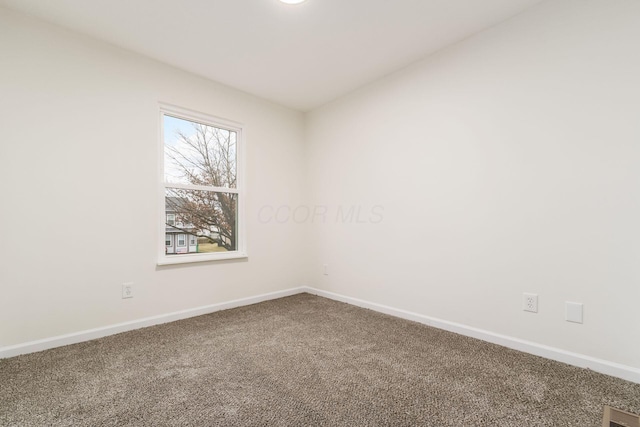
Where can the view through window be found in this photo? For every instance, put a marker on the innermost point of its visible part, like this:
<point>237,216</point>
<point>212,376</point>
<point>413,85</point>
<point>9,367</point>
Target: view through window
<point>201,191</point>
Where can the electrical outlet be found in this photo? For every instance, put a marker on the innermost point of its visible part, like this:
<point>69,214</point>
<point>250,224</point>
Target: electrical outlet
<point>127,290</point>
<point>325,269</point>
<point>530,302</point>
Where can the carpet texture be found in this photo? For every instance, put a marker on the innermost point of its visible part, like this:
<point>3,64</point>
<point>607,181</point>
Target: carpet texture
<point>298,361</point>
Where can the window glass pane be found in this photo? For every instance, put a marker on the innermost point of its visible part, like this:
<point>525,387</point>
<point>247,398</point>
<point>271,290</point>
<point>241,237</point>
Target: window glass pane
<point>209,216</point>
<point>199,154</point>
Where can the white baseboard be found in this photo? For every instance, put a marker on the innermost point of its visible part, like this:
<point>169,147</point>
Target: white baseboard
<point>625,372</point>
<point>603,366</point>
<point>91,334</point>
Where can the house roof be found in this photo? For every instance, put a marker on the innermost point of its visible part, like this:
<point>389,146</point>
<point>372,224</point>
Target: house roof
<point>173,230</point>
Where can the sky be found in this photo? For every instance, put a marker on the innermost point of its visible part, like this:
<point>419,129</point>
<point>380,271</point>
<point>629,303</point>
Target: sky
<point>172,125</point>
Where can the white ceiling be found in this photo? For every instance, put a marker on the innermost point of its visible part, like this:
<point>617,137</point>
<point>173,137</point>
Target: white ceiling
<point>300,56</point>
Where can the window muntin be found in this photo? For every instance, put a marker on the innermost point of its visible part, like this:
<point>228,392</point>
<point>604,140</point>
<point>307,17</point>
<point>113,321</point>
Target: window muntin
<point>201,184</point>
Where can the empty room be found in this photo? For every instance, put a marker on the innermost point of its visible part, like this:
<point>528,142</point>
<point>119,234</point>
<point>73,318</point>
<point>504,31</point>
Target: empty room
<point>320,213</point>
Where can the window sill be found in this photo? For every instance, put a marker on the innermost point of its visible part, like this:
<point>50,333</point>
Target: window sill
<point>196,258</point>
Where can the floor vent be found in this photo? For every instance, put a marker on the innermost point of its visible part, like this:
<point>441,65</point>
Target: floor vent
<point>617,418</point>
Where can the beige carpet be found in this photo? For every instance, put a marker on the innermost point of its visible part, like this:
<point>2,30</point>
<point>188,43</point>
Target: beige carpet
<point>302,360</point>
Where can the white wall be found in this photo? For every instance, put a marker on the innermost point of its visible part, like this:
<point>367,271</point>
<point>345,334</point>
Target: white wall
<point>78,190</point>
<point>507,163</point>
<point>504,164</point>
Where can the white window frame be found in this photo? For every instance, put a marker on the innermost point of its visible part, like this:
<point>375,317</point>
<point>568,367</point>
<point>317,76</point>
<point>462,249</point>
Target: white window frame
<point>241,250</point>
<point>171,221</point>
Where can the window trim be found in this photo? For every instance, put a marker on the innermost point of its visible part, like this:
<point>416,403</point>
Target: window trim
<point>240,129</point>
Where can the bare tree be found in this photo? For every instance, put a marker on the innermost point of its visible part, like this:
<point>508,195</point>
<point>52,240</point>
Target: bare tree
<point>208,158</point>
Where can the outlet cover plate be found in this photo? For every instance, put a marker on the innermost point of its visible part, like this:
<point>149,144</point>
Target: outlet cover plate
<point>530,302</point>
<point>127,290</point>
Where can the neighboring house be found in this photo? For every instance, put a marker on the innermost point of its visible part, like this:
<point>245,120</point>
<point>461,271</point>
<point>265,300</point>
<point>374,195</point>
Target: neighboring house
<point>180,238</point>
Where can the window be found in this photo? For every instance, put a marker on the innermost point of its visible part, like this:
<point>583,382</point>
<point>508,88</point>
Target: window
<point>201,186</point>
<point>168,241</point>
